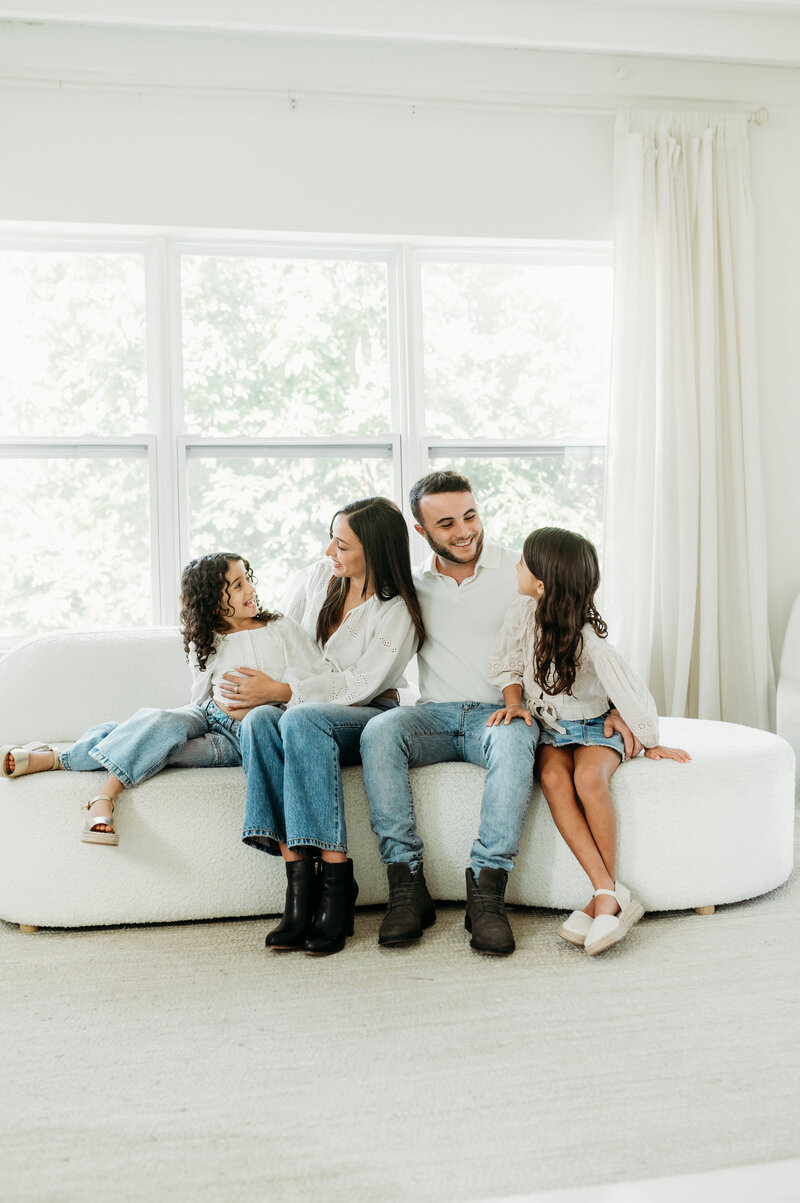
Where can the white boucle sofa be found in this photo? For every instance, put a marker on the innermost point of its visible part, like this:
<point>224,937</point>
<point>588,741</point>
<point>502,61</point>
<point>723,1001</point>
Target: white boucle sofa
<point>788,693</point>
<point>717,830</point>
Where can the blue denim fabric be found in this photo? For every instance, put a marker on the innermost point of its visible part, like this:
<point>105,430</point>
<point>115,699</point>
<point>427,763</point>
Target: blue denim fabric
<point>188,737</point>
<point>293,760</point>
<point>443,731</point>
<point>585,731</point>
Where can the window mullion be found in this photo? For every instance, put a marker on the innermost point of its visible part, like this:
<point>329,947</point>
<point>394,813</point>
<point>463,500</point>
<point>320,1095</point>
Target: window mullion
<point>164,497</point>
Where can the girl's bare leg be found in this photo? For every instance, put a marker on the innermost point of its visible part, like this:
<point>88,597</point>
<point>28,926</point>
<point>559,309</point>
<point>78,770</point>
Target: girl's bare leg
<point>593,769</point>
<point>112,787</point>
<point>556,769</point>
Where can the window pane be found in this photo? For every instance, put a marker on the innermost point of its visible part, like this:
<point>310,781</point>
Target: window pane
<point>283,347</point>
<point>76,537</point>
<point>517,351</point>
<point>276,512</point>
<point>72,343</point>
<point>515,494</point>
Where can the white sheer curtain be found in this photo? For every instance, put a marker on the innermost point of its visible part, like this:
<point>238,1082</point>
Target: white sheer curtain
<point>685,588</point>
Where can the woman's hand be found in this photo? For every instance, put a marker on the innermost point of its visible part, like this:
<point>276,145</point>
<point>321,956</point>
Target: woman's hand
<point>238,714</point>
<point>247,687</point>
<point>506,713</point>
<point>661,753</point>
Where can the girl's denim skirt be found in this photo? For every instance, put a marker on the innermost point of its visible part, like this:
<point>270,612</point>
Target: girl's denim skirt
<point>585,731</point>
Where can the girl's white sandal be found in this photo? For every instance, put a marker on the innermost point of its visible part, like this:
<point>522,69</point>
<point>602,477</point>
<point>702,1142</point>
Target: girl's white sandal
<point>610,929</point>
<point>22,757</point>
<point>89,835</point>
<point>575,928</point>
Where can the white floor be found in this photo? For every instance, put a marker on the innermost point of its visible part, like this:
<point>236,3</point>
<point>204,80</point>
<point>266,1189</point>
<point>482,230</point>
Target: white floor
<point>776,1182</point>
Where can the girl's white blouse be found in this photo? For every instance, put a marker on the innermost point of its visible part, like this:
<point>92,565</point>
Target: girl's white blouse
<point>279,648</point>
<point>368,652</point>
<point>603,678</point>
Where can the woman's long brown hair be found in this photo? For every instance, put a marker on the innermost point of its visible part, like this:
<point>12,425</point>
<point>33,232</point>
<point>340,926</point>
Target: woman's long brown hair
<point>381,529</point>
<point>205,602</point>
<point>567,566</point>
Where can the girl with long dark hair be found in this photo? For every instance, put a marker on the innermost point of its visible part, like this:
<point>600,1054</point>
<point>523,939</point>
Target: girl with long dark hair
<point>553,662</point>
<point>361,607</point>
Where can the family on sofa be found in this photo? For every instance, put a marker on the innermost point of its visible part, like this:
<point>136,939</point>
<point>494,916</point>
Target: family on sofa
<point>511,652</point>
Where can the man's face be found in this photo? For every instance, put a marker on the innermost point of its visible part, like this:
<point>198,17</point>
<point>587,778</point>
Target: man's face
<point>451,526</point>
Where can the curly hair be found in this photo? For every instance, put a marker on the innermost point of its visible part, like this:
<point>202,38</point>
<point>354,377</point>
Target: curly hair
<point>567,566</point>
<point>205,602</point>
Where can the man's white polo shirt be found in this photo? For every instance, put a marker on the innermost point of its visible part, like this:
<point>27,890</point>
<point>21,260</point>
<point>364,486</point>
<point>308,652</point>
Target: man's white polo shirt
<point>462,623</point>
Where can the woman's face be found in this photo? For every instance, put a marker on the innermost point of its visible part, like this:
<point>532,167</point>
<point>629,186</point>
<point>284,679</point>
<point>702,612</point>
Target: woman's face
<point>345,550</point>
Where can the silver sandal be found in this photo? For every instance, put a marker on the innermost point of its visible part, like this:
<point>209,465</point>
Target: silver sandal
<point>89,835</point>
<point>22,758</point>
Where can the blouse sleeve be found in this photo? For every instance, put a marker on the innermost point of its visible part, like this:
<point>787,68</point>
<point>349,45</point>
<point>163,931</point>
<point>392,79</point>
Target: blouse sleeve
<point>391,645</point>
<point>301,591</point>
<point>201,679</point>
<point>506,661</point>
<point>626,691</point>
<point>302,656</point>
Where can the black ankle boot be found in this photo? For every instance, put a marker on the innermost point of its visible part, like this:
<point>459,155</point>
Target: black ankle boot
<point>410,908</point>
<point>302,897</point>
<point>486,915</point>
<point>333,921</point>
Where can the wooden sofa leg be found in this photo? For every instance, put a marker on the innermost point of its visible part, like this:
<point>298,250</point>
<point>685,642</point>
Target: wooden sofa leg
<point>705,910</point>
<point>28,927</point>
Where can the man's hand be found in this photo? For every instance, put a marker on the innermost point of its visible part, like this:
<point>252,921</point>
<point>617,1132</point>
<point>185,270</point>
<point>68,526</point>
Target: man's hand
<point>615,722</point>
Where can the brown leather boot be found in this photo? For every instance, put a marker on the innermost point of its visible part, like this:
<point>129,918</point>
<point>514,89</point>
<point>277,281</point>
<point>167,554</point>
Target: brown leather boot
<point>486,915</point>
<point>410,908</point>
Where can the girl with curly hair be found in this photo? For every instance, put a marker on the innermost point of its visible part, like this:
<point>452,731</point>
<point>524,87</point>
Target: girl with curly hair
<point>553,663</point>
<point>224,627</point>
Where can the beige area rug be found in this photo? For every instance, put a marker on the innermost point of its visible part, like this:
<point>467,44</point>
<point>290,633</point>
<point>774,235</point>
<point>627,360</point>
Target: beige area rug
<point>185,1062</point>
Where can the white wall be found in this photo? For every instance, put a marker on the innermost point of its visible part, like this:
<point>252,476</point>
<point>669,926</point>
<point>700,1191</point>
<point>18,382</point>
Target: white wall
<point>188,129</point>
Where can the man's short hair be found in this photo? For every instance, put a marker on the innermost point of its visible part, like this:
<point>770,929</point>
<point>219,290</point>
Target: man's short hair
<point>446,481</point>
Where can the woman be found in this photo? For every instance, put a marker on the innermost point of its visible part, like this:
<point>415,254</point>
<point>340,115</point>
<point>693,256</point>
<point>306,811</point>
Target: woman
<point>361,607</point>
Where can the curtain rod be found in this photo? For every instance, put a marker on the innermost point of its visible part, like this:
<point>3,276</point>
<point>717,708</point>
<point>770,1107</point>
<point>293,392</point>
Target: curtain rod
<point>293,95</point>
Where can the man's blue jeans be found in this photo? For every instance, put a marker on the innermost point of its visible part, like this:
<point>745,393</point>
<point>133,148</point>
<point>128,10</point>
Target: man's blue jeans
<point>186,737</point>
<point>293,760</point>
<point>440,731</point>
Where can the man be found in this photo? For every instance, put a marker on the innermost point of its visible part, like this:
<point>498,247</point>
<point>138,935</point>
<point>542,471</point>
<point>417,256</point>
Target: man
<point>464,588</point>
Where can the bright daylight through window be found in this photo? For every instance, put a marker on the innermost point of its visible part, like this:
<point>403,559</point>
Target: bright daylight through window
<point>160,399</point>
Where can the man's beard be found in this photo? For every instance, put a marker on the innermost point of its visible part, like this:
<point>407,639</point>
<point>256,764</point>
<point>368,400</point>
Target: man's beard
<point>444,553</point>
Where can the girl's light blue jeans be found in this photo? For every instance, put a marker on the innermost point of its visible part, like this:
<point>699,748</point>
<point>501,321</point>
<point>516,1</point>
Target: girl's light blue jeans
<point>440,731</point>
<point>188,737</point>
<point>293,760</point>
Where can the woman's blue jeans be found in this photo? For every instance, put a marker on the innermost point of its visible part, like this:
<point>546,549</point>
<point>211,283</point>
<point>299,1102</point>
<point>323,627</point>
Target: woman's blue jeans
<point>441,731</point>
<point>188,737</point>
<point>293,760</point>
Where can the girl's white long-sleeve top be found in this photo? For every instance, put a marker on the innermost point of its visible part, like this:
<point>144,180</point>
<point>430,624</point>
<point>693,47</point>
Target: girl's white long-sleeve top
<point>603,678</point>
<point>278,648</point>
<point>368,652</point>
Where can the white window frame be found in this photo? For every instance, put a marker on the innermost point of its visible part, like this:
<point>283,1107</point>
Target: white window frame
<point>168,447</point>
